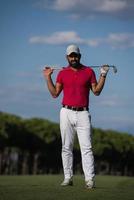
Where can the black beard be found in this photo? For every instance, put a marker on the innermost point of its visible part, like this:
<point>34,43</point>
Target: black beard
<point>75,64</point>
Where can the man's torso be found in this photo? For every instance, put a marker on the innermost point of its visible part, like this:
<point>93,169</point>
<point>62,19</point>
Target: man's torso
<point>76,85</point>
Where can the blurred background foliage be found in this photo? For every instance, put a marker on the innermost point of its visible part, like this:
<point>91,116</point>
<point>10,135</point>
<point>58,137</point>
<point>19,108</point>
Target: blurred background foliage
<point>33,146</point>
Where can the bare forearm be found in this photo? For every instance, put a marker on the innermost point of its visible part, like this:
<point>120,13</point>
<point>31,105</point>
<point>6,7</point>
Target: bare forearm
<point>53,89</point>
<point>99,87</point>
<point>51,86</point>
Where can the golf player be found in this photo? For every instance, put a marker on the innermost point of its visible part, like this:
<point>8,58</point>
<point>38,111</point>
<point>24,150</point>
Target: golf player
<point>76,81</point>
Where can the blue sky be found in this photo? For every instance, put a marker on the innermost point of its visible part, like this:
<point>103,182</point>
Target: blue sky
<point>35,33</point>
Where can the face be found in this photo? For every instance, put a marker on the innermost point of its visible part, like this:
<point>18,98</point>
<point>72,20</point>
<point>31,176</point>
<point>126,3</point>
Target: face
<point>74,60</point>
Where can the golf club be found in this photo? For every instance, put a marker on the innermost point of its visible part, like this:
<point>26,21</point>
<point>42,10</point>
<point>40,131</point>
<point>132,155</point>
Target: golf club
<point>96,66</point>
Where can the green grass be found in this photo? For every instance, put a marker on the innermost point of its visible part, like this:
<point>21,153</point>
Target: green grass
<point>45,187</point>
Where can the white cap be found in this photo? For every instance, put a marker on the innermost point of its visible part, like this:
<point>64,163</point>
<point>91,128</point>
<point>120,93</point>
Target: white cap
<point>72,49</point>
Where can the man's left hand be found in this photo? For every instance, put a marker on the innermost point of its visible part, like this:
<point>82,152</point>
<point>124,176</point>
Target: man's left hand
<point>104,70</point>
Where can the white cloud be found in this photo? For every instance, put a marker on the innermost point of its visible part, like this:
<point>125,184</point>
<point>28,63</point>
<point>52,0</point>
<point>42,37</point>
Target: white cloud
<point>121,40</point>
<point>120,123</point>
<point>58,38</point>
<point>114,101</point>
<point>114,8</point>
<point>94,42</point>
<point>64,5</point>
<point>115,40</point>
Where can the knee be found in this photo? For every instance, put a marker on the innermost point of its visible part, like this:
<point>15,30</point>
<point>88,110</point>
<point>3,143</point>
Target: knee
<point>66,149</point>
<point>86,150</point>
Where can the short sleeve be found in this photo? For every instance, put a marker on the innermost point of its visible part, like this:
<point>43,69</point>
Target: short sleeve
<point>93,77</point>
<point>59,78</point>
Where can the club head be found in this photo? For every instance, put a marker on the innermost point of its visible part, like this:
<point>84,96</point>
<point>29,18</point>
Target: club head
<point>114,69</point>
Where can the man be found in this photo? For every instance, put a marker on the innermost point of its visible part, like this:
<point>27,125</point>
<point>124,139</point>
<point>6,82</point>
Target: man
<point>76,81</point>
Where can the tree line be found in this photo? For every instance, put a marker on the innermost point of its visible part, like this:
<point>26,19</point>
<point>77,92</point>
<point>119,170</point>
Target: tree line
<point>33,146</point>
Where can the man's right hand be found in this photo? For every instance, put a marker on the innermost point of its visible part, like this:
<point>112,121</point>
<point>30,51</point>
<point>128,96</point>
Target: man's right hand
<point>47,71</point>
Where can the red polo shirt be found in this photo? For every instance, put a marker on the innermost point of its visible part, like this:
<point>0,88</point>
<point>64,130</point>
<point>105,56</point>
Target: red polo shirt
<point>76,85</point>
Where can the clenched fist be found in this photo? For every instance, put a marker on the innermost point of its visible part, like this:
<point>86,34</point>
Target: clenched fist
<point>104,70</point>
<point>47,71</point>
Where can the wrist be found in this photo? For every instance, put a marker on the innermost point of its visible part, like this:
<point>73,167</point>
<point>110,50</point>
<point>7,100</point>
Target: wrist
<point>103,75</point>
<point>48,78</point>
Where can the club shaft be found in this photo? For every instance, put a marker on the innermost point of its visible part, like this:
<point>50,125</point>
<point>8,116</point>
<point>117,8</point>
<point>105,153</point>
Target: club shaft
<point>97,66</point>
<point>93,66</point>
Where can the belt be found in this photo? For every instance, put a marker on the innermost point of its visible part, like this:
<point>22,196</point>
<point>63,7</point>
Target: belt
<point>76,108</point>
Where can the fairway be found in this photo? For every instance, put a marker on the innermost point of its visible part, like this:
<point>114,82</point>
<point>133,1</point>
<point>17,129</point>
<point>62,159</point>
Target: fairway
<point>47,187</point>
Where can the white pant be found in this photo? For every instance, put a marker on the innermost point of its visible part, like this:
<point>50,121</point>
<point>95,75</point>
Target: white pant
<point>79,122</point>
